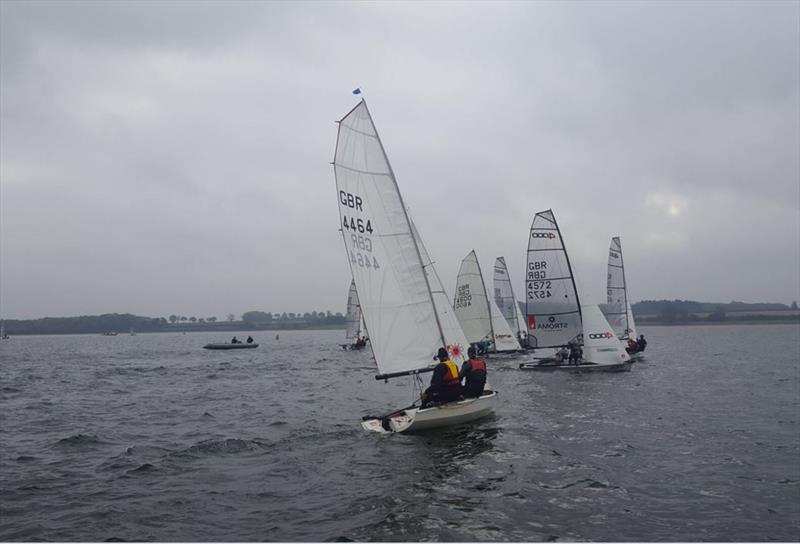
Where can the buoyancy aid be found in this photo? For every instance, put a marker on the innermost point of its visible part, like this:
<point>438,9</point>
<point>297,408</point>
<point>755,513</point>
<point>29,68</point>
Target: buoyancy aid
<point>477,364</point>
<point>451,376</point>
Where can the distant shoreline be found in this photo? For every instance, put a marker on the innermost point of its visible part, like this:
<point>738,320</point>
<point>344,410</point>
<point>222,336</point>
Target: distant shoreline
<point>715,323</point>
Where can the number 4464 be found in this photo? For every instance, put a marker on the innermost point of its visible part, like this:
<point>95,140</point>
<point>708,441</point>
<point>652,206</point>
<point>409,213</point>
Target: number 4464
<point>364,261</point>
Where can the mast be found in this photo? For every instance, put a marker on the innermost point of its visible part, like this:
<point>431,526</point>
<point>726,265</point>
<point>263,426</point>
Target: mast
<point>569,266</point>
<point>408,221</point>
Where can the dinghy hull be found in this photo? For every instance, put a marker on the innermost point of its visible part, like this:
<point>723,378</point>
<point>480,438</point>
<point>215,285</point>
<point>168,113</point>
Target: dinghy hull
<point>414,420</point>
<point>581,368</point>
<point>230,346</point>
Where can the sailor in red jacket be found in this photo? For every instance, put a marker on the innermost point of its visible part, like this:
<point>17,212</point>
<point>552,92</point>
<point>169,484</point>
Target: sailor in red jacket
<point>473,370</point>
<point>445,382</point>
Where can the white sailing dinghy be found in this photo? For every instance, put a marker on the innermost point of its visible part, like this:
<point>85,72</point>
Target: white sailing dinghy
<point>478,314</point>
<point>507,302</point>
<point>618,308</point>
<point>401,297</point>
<point>3,334</point>
<point>602,351</point>
<point>553,310</point>
<point>354,329</point>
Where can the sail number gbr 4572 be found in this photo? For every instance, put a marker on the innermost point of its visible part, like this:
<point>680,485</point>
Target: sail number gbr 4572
<point>360,229</point>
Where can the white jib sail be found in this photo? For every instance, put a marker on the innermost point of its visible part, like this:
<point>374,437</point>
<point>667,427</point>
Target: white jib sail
<point>600,344</point>
<point>631,323</point>
<point>353,318</point>
<point>552,307</point>
<point>617,295</point>
<point>456,340</point>
<point>504,339</point>
<point>471,303</point>
<point>396,301</point>
<point>504,294</point>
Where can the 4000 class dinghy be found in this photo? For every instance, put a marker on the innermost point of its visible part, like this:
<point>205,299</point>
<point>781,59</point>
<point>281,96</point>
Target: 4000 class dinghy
<point>602,351</point>
<point>406,311</point>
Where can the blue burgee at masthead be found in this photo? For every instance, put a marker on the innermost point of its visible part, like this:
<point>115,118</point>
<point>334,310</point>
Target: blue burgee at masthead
<point>356,91</point>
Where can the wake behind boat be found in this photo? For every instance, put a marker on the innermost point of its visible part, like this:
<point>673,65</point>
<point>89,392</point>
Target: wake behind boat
<point>403,303</point>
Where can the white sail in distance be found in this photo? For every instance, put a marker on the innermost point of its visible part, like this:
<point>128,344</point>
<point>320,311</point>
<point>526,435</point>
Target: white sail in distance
<point>617,293</point>
<point>504,338</point>
<point>600,344</point>
<point>471,302</point>
<point>353,318</point>
<point>553,311</point>
<point>396,300</point>
<point>504,295</point>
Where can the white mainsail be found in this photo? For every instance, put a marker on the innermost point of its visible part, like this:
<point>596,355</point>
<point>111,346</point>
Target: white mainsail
<point>471,302</point>
<point>353,318</point>
<point>600,344</point>
<point>504,297</point>
<point>616,290</point>
<point>553,310</point>
<point>385,259</point>
<point>504,339</point>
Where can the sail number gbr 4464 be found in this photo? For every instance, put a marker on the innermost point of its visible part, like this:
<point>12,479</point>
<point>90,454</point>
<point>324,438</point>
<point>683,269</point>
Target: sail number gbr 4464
<point>359,229</point>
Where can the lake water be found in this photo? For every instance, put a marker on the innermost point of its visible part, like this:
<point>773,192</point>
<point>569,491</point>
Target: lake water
<point>150,437</point>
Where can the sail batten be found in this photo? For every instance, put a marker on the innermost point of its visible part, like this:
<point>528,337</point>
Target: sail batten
<point>553,311</point>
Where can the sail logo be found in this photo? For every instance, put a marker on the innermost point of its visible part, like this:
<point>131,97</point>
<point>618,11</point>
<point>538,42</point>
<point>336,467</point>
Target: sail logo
<point>455,351</point>
<point>548,235</point>
<point>551,324</point>
<point>598,336</point>
<point>614,255</point>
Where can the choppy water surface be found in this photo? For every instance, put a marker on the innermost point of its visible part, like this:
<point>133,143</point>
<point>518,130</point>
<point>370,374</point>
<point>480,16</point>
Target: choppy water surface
<point>149,437</point>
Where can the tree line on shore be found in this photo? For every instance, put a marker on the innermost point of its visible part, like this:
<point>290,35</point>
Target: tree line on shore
<point>689,311</point>
<point>122,323</point>
<point>647,311</point>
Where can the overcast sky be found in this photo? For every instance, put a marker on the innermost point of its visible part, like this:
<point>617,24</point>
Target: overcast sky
<point>160,158</point>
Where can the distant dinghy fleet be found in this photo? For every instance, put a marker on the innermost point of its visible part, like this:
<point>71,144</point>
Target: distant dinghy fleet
<point>398,306</point>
